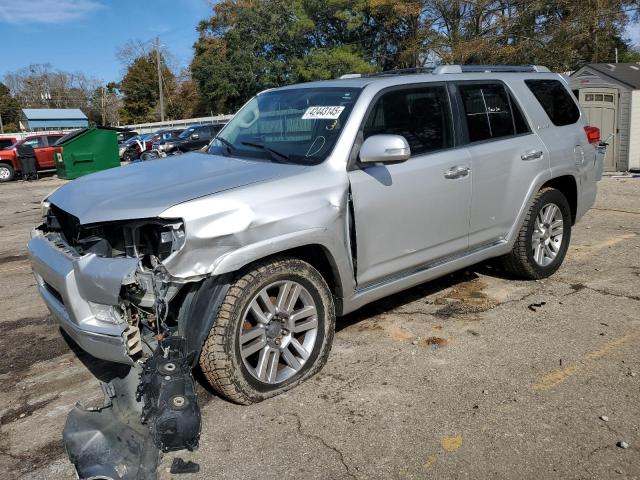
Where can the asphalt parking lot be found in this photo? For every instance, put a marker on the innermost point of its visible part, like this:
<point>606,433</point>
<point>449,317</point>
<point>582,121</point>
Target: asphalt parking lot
<point>474,376</point>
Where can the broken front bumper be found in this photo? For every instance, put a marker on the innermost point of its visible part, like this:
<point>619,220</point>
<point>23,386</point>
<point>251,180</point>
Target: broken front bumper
<point>81,293</point>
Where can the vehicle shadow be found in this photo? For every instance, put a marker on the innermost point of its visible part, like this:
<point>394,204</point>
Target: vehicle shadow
<point>102,370</point>
<point>490,268</point>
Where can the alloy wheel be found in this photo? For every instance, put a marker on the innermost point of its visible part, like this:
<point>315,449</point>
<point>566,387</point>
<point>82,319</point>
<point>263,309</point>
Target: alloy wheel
<point>547,234</point>
<point>279,331</point>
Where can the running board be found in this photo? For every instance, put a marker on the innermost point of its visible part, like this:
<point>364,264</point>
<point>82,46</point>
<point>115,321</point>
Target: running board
<point>423,273</point>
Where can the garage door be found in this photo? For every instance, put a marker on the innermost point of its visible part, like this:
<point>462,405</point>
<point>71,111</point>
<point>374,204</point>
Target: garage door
<point>601,107</point>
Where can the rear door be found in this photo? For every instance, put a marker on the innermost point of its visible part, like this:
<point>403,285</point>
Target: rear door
<point>564,135</point>
<point>506,158</point>
<point>43,159</point>
<point>413,213</point>
<point>45,152</point>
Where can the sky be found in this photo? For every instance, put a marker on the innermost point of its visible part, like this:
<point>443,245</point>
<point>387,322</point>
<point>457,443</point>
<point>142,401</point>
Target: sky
<point>84,35</point>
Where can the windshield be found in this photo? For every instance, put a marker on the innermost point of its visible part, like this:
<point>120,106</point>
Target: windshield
<point>298,125</point>
<point>187,133</point>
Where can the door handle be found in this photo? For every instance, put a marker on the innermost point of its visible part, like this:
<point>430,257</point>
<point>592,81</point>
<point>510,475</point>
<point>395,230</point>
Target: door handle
<point>531,155</point>
<point>456,172</point>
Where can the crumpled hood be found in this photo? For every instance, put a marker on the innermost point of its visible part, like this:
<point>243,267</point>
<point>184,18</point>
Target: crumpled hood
<point>146,189</point>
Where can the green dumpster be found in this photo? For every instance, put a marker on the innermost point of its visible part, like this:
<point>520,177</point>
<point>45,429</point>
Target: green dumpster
<point>86,151</point>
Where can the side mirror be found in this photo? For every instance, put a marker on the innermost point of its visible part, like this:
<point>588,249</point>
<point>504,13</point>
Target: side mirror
<point>195,136</point>
<point>384,148</point>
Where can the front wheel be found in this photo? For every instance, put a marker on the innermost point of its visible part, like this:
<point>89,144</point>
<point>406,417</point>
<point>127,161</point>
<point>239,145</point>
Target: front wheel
<point>274,330</point>
<point>543,240</point>
<point>6,172</point>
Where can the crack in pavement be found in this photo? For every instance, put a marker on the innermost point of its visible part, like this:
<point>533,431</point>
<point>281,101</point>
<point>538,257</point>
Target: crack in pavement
<point>583,286</point>
<point>323,441</point>
<point>600,209</point>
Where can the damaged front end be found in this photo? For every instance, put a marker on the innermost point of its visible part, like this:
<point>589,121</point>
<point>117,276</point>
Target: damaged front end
<point>107,287</point>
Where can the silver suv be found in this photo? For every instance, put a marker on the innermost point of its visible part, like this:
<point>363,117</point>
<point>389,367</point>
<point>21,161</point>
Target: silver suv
<point>315,200</point>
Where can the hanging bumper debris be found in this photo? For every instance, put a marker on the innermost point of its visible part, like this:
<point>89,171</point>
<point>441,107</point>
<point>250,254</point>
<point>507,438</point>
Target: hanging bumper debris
<point>153,408</point>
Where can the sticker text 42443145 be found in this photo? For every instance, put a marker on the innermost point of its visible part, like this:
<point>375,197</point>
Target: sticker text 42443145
<point>322,113</point>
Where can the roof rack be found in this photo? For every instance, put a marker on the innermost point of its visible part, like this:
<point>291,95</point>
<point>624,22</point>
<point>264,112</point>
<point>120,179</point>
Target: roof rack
<point>444,69</point>
<point>489,68</point>
<point>398,71</point>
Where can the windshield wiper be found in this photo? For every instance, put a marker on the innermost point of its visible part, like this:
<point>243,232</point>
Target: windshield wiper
<point>274,153</point>
<point>226,143</point>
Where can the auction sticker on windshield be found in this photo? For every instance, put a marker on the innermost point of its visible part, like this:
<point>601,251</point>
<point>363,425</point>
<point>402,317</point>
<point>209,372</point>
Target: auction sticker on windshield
<point>322,113</point>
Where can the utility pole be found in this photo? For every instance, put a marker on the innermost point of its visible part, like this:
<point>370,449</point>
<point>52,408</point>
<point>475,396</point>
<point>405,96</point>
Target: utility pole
<point>159,79</point>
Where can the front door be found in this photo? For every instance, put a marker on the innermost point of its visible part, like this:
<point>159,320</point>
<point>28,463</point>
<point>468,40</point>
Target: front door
<point>601,108</point>
<point>411,213</point>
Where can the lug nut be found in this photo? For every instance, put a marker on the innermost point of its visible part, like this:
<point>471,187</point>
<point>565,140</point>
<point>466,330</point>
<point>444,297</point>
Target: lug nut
<point>277,342</point>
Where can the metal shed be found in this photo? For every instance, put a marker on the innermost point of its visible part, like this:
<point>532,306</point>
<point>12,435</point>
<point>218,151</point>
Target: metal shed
<point>53,118</point>
<point>610,95</point>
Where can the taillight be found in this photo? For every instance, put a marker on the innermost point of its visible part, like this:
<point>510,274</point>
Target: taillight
<point>593,134</point>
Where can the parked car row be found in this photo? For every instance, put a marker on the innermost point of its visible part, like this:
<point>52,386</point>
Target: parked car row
<point>168,141</point>
<point>42,145</point>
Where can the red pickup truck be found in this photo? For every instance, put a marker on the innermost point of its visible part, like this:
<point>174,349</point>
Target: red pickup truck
<point>6,142</point>
<point>43,148</point>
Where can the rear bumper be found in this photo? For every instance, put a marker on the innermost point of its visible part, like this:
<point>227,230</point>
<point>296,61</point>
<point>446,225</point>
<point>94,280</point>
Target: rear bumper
<point>78,290</point>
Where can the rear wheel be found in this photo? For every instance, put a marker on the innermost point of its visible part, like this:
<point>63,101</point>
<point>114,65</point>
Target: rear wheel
<point>274,330</point>
<point>543,240</point>
<point>6,172</point>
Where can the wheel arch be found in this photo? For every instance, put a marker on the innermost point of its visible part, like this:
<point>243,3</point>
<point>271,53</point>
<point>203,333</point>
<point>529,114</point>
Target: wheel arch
<point>315,254</point>
<point>568,186</point>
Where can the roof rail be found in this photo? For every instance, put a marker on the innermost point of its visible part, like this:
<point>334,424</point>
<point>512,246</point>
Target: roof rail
<point>402,71</point>
<point>489,68</point>
<point>444,69</point>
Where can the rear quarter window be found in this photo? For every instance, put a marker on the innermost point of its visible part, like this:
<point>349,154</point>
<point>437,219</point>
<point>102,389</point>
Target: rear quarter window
<point>555,100</point>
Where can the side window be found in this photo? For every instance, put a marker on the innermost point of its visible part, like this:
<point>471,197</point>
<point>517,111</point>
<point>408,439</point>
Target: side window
<point>556,101</point>
<point>52,139</point>
<point>487,110</point>
<point>421,115</point>
<point>37,142</point>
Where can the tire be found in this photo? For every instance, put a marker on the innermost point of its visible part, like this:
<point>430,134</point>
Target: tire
<point>6,172</point>
<point>232,369</point>
<point>531,263</point>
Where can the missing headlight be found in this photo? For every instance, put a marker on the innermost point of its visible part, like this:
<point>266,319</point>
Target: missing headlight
<point>152,240</point>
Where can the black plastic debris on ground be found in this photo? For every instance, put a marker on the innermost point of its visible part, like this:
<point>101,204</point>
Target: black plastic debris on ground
<point>180,466</point>
<point>152,408</point>
<point>111,442</point>
<point>170,405</point>
<point>534,306</point>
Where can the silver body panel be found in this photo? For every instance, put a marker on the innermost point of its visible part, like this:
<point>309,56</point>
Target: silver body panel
<point>412,223</point>
<point>67,284</point>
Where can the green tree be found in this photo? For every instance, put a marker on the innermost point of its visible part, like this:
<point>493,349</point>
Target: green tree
<point>139,87</point>
<point>253,45</point>
<point>9,109</point>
